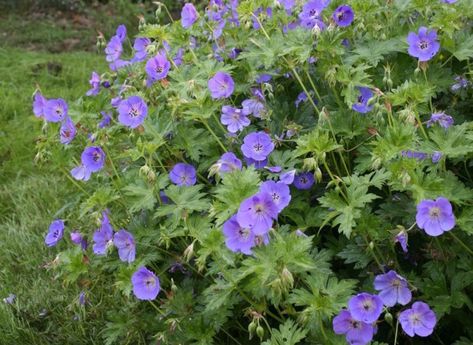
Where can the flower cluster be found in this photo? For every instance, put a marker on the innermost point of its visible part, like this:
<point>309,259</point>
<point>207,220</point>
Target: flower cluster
<point>358,321</point>
<point>253,144</point>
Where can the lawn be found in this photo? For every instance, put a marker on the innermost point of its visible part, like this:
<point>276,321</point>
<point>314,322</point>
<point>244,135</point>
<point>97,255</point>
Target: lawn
<point>32,186</point>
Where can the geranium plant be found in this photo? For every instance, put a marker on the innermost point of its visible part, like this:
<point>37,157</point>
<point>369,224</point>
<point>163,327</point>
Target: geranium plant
<point>276,172</point>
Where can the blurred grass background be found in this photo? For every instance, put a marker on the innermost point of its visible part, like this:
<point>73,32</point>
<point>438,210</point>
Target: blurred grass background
<point>48,44</point>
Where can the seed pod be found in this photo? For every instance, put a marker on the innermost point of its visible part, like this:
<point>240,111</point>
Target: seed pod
<point>260,332</point>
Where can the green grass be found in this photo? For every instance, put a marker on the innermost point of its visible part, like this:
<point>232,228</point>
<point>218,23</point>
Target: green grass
<point>30,194</point>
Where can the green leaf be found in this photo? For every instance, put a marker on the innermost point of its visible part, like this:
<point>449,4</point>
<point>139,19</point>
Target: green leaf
<point>139,197</point>
<point>288,334</point>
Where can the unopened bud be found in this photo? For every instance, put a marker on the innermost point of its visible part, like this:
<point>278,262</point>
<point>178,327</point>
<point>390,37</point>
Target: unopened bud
<point>189,252</point>
<point>252,328</point>
<point>388,317</point>
<point>260,332</point>
<point>318,174</point>
<point>286,278</point>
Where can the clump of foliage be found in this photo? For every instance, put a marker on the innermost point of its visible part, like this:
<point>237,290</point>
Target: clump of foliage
<point>269,172</point>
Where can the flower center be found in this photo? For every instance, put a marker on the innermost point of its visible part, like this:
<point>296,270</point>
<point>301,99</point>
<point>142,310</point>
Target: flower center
<point>275,196</point>
<point>415,319</point>
<point>159,69</point>
<point>355,324</point>
<point>244,233</point>
<point>304,180</point>
<point>133,112</point>
<point>96,156</point>
<point>259,208</point>
<point>367,305</point>
<point>396,283</point>
<point>423,44</point>
<point>434,212</point>
<point>258,147</point>
<point>149,283</point>
<point>58,111</point>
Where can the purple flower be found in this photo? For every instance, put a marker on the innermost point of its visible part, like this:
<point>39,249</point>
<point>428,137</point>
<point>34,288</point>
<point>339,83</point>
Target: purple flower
<point>234,52</point>
<point>287,4</point>
<point>145,284</point>
<point>253,106</point>
<point>121,32</point>
<point>67,132</point>
<point>365,307</point>
<point>117,64</point>
<point>401,237</point>
<point>261,13</point>
<point>302,97</point>
<point>278,191</point>
<point>188,16</point>
<point>304,180</point>
<point>125,244</point>
<point>114,49</point>
<point>55,233</point>
<point>275,169</point>
<point>255,163</point>
<point>392,289</point>
<point>235,119</point>
<point>157,68</point>
<point>287,177</point>
<point>257,146</point>
<point>361,106</point>
<point>442,119</point>
<point>55,110</point>
<point>310,17</point>
<point>139,46</point>
<point>93,158</point>
<point>94,84</point>
<point>39,103</point>
<point>420,320</point>
<point>228,163</point>
<point>436,156</point>
<point>106,119</point>
<point>423,45</point>
<point>81,173</point>
<point>221,85</point>
<point>10,299</point>
<point>263,78</point>
<point>82,298</point>
<point>132,111</point>
<point>257,212</point>
<point>103,236</point>
<point>414,154</point>
<point>356,332</point>
<point>343,15</point>
<point>449,1</point>
<point>76,237</point>
<point>461,83</point>
<point>237,238</point>
<point>435,216</point>
<point>183,174</point>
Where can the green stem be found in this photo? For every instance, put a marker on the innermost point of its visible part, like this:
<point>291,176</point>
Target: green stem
<point>468,249</point>
<point>75,182</point>
<point>396,332</point>
<point>167,11</point>
<point>113,165</point>
<point>156,307</point>
<point>214,135</point>
<point>304,88</point>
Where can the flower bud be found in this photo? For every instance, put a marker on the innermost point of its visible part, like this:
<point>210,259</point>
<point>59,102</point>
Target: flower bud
<point>252,328</point>
<point>286,278</point>
<point>189,252</point>
<point>309,163</point>
<point>388,317</point>
<point>318,174</point>
<point>260,332</point>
